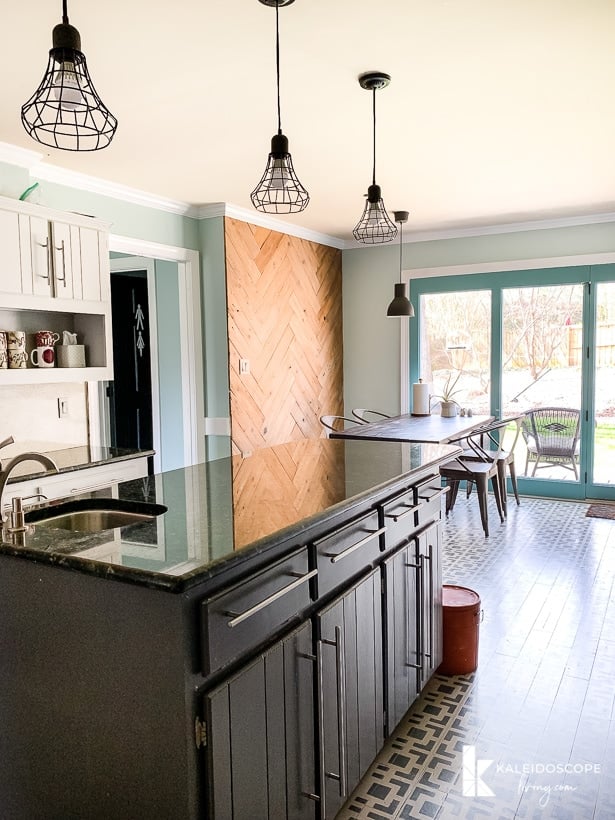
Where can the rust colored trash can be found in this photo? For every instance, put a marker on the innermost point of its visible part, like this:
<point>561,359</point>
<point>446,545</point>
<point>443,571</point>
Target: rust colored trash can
<point>460,621</point>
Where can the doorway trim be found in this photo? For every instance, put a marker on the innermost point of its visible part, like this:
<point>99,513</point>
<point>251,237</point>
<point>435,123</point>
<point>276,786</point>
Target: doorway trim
<point>193,398</point>
<point>134,263</point>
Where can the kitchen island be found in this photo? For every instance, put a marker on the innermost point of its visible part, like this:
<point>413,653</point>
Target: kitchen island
<point>242,655</point>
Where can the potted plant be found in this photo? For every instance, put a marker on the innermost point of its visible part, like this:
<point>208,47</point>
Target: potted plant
<point>448,405</point>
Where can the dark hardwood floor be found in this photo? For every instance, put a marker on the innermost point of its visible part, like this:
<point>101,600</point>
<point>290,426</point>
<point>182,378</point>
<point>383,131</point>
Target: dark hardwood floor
<point>531,734</point>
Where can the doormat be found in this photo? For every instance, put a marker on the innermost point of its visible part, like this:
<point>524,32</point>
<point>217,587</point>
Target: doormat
<point>601,511</point>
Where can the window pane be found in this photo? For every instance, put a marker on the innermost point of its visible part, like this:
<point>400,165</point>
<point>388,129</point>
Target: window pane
<point>604,379</point>
<point>541,368</point>
<point>455,346</point>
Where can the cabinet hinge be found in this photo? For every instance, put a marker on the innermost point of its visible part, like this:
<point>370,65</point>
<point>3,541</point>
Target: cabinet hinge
<point>200,732</point>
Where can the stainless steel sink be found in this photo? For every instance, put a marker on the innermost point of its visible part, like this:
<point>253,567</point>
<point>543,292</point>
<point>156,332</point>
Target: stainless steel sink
<point>95,520</point>
<point>94,514</point>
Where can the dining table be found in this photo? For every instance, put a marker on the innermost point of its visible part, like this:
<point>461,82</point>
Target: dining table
<point>432,429</point>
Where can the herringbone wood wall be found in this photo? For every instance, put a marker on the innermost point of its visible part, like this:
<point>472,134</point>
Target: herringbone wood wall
<point>285,316</point>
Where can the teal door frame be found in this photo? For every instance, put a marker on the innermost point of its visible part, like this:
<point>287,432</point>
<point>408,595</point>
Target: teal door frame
<point>497,282</point>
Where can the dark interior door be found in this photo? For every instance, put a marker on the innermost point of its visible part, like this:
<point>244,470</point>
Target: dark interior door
<point>130,394</point>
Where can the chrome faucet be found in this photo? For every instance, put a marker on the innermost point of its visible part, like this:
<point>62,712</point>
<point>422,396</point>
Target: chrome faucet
<point>5,471</point>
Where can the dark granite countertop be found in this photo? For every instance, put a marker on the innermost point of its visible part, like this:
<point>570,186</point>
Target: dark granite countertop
<point>70,459</point>
<point>220,511</point>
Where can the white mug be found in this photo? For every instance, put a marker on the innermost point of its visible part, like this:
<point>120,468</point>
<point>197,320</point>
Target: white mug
<point>43,356</point>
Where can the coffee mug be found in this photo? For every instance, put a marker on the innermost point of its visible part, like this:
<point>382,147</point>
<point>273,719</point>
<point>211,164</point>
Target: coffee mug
<point>43,356</point>
<point>3,340</point>
<point>16,340</point>
<point>46,338</point>
<point>4,358</point>
<point>17,359</point>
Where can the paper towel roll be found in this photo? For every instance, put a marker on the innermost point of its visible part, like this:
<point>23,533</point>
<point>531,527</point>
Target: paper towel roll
<point>420,399</point>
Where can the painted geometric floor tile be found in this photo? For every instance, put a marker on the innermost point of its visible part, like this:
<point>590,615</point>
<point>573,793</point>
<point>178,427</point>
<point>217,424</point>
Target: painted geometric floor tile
<point>511,740</point>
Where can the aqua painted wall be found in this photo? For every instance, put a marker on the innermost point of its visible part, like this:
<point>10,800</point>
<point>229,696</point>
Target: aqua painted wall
<point>372,341</point>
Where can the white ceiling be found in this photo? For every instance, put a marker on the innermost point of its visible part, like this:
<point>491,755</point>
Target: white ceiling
<point>498,110</point>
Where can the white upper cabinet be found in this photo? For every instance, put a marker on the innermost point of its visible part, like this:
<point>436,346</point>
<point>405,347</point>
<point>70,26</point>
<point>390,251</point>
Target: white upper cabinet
<point>54,273</point>
<point>10,248</point>
<point>54,261</point>
<point>52,258</point>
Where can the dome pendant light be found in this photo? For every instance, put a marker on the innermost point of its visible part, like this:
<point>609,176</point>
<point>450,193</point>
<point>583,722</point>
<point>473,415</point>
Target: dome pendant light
<point>65,111</point>
<point>279,191</point>
<point>375,225</point>
<point>401,305</point>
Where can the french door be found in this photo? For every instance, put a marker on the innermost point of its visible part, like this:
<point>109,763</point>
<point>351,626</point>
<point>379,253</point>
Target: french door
<point>526,342</point>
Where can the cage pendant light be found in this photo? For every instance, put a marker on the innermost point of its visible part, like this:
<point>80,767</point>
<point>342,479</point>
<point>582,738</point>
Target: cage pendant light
<point>279,190</point>
<point>375,225</point>
<point>65,111</point>
<point>401,305</point>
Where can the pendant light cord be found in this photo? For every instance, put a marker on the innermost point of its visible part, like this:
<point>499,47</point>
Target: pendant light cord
<point>64,12</point>
<point>374,119</point>
<point>277,62</point>
<point>401,235</point>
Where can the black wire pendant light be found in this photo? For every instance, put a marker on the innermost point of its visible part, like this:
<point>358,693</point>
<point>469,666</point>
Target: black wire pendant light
<point>375,225</point>
<point>279,190</point>
<point>65,111</point>
<point>401,305</point>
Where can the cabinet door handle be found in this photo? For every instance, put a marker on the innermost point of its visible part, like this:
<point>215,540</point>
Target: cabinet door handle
<point>340,666</point>
<point>46,276</point>
<point>321,730</point>
<point>398,516</point>
<point>340,676</point>
<point>335,557</point>
<point>63,252</point>
<point>239,617</point>
<point>417,568</point>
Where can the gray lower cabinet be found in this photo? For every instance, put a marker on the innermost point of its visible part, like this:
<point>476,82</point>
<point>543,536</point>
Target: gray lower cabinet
<point>430,602</point>
<point>261,739</point>
<point>349,690</point>
<point>413,621</point>
<point>402,632</point>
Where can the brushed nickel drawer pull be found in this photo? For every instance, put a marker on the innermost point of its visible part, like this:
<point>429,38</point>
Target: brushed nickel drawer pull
<point>335,557</point>
<point>398,516</point>
<point>437,494</point>
<point>240,617</point>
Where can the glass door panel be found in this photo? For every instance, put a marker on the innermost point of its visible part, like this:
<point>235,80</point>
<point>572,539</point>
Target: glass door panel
<point>542,334</point>
<point>456,347</point>
<point>603,471</point>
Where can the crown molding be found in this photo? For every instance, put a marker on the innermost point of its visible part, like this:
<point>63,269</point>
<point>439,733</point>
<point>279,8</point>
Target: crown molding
<point>411,237</point>
<point>268,221</point>
<point>23,157</point>
<point>34,161</point>
<point>95,185</point>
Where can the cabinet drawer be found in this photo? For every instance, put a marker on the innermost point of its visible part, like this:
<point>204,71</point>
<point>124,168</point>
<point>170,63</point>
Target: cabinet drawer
<point>401,517</point>
<point>247,614</point>
<point>429,497</point>
<point>348,550</point>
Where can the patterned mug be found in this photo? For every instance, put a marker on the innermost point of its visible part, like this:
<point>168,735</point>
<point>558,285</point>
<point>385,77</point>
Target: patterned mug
<point>3,340</point>
<point>4,359</point>
<point>18,359</point>
<point>46,338</point>
<point>16,340</point>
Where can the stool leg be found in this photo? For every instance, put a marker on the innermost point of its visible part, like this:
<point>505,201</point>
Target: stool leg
<point>502,486</point>
<point>481,491</point>
<point>513,481</point>
<point>495,483</point>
